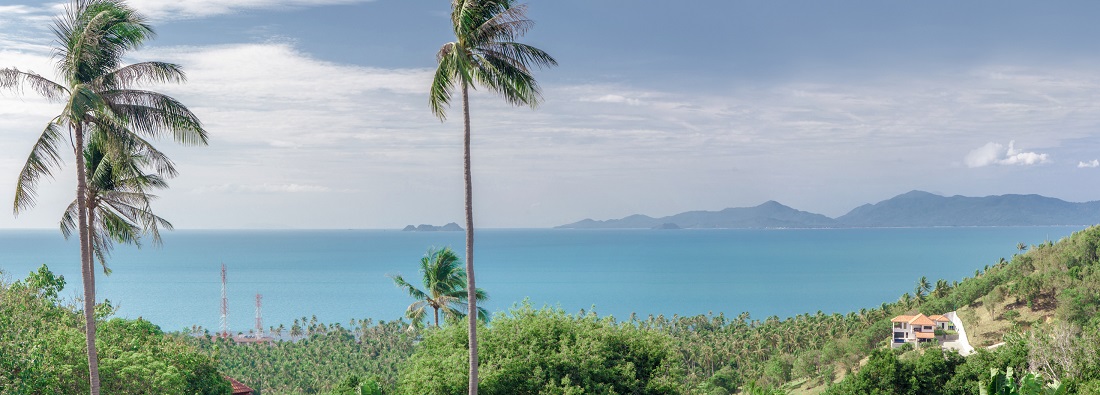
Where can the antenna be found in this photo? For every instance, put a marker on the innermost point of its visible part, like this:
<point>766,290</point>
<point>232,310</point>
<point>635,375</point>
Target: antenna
<point>225,307</point>
<point>259,317</point>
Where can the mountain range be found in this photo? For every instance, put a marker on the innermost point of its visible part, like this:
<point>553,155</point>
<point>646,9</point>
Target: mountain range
<point>912,209</point>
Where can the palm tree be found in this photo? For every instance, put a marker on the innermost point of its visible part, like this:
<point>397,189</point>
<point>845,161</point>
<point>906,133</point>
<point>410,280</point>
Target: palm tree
<point>906,301</point>
<point>445,282</point>
<point>118,201</point>
<point>295,330</point>
<point>923,284</point>
<point>942,288</point>
<point>484,53</point>
<point>92,36</point>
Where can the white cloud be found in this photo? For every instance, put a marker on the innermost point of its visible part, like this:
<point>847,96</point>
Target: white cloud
<point>288,125</point>
<point>997,154</point>
<point>612,98</point>
<point>176,9</point>
<point>1088,165</point>
<point>262,188</point>
<point>19,9</point>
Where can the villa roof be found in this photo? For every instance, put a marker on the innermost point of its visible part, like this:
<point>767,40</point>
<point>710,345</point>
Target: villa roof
<point>238,387</point>
<point>925,335</point>
<point>920,319</point>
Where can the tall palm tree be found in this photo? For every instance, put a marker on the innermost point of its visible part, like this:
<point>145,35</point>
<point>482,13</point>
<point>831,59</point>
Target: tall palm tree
<point>98,91</point>
<point>445,289</point>
<point>485,53</point>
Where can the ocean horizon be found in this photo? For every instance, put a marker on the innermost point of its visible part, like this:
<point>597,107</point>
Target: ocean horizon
<point>340,275</point>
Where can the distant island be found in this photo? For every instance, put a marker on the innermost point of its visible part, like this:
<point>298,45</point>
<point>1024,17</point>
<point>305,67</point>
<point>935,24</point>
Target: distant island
<point>912,209</point>
<point>451,227</point>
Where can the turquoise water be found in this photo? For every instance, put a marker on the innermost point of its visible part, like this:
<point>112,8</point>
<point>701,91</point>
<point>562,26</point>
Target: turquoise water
<point>341,274</point>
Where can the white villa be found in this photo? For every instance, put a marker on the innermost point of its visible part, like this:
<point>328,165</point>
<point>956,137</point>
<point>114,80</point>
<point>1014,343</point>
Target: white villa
<point>918,328</point>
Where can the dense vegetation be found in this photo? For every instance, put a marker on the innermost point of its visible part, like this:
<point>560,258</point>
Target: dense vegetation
<point>1048,298</point>
<point>317,357</point>
<point>715,354</point>
<point>42,348</point>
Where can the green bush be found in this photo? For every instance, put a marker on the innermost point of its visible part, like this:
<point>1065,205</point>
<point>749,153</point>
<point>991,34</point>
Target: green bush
<point>546,351</point>
<point>42,349</point>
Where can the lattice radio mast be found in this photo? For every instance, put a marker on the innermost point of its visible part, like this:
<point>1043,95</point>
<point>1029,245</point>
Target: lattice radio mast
<point>225,307</point>
<point>259,317</point>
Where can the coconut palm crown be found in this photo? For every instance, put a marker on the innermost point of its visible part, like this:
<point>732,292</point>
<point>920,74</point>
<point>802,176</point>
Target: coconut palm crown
<point>444,289</point>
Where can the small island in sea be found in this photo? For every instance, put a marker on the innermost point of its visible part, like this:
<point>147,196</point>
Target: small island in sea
<point>451,227</point>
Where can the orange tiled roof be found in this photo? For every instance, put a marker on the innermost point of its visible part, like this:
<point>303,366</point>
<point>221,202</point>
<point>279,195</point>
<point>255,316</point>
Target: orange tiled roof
<point>921,319</point>
<point>925,335</point>
<point>238,387</point>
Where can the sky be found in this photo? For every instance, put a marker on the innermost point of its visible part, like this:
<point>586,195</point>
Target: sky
<point>318,115</point>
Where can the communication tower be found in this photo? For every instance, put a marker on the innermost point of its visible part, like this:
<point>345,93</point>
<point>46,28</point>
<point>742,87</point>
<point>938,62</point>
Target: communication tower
<point>225,307</point>
<point>259,317</point>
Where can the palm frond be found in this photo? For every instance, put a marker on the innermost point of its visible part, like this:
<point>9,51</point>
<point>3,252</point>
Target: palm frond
<point>15,80</point>
<point>442,83</point>
<point>415,293</point>
<point>451,311</point>
<point>43,158</point>
<point>68,220</point>
<point>416,314</point>
<point>83,101</point>
<point>507,25</point>
<point>141,73</point>
<point>511,80</point>
<point>124,142</point>
<point>521,55</point>
<point>152,114</point>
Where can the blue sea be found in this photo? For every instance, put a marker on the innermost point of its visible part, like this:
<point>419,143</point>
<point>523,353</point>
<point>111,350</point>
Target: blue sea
<point>339,275</point>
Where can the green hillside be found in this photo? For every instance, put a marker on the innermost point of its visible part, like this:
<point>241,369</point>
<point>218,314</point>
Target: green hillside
<point>1037,312</point>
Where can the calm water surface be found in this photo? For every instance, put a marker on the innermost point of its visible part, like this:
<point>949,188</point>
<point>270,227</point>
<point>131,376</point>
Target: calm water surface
<point>341,274</point>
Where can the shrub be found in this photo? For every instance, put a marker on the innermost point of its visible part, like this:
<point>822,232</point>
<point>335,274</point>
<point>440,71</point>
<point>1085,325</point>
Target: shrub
<point>536,351</point>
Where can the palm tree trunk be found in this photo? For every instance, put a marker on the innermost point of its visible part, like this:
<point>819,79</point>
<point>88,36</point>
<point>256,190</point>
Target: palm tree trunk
<point>471,289</point>
<point>87,271</point>
<point>436,309</point>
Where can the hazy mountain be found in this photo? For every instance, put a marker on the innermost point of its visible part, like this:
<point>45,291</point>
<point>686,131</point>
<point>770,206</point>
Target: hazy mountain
<point>919,208</point>
<point>451,227</point>
<point>768,215</point>
<point>912,209</point>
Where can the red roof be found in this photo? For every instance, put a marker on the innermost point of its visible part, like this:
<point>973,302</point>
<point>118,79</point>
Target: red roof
<point>238,387</point>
